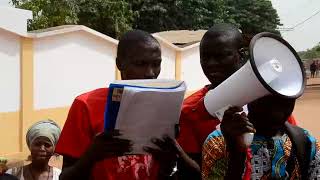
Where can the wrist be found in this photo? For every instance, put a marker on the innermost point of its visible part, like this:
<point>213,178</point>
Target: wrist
<point>236,165</point>
<point>235,145</point>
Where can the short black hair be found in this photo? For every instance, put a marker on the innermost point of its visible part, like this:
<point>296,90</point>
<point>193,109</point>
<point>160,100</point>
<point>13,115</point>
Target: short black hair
<point>133,38</point>
<point>225,29</point>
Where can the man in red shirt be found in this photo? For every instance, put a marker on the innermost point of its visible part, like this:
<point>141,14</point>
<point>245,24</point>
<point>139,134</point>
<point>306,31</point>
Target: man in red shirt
<point>88,153</point>
<point>220,56</point>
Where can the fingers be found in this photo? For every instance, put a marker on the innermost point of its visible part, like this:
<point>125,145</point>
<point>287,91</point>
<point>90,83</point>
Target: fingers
<point>230,112</point>
<point>159,154</point>
<point>159,142</point>
<point>235,124</point>
<point>169,141</point>
<point>109,145</point>
<point>116,147</point>
<point>166,144</point>
<point>156,153</point>
<point>233,110</point>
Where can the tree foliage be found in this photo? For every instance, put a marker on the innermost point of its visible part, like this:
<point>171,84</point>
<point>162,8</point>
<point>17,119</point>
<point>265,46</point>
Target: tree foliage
<point>113,17</point>
<point>157,15</point>
<point>48,13</point>
<point>254,16</point>
<point>311,53</point>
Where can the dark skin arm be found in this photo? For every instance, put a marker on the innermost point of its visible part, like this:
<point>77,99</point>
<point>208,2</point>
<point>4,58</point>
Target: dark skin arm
<point>168,153</point>
<point>105,145</point>
<point>233,126</point>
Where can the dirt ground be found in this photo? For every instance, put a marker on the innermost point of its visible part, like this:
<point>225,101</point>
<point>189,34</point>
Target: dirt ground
<point>307,108</point>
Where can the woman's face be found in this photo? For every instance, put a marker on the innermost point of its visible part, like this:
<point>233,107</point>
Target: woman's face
<point>41,149</point>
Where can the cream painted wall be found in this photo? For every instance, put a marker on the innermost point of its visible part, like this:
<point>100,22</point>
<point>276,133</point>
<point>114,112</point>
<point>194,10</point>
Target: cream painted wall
<point>168,62</point>
<point>191,69</point>
<point>14,19</point>
<point>9,72</point>
<point>68,65</point>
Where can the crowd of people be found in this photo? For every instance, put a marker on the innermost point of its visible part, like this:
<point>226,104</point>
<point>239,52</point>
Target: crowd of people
<point>280,149</point>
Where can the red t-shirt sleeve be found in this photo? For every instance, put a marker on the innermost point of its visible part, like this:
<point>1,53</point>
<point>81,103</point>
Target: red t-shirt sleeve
<point>187,138</point>
<point>76,135</point>
<point>292,120</point>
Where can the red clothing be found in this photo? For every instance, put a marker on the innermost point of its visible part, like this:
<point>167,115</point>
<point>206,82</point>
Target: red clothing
<point>85,120</point>
<point>196,123</point>
<point>292,120</point>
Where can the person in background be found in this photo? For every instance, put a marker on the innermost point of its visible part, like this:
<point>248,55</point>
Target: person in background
<point>317,69</point>
<point>41,140</point>
<point>313,69</point>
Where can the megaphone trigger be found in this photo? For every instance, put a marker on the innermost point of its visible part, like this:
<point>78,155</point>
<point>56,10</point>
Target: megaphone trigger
<point>219,114</point>
<point>247,138</point>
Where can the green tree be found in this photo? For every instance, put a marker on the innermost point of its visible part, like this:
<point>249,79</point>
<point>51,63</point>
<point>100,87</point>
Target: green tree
<point>160,15</point>
<point>254,16</point>
<point>311,53</point>
<point>157,15</point>
<point>111,17</point>
<point>203,14</point>
<point>48,13</point>
<point>114,17</point>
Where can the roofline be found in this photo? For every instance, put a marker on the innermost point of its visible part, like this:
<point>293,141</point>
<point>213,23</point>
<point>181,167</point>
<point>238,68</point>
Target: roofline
<point>171,45</point>
<point>16,33</point>
<point>73,28</point>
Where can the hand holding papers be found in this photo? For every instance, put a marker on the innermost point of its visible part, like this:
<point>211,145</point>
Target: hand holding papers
<point>143,109</point>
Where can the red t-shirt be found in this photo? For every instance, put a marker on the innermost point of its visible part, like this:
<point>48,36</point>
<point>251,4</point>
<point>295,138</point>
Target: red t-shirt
<point>85,120</point>
<point>196,123</point>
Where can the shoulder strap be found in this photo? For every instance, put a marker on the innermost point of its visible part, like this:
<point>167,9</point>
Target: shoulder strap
<point>301,147</point>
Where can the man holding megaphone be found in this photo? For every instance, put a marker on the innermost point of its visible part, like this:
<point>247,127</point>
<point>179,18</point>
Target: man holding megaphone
<point>270,82</point>
<point>220,56</point>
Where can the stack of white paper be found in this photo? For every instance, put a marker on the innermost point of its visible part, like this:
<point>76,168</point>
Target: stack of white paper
<point>143,109</point>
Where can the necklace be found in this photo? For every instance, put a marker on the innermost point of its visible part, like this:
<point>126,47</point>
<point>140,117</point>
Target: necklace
<point>33,176</point>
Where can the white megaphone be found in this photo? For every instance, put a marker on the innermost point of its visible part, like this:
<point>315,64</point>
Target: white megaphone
<point>274,68</point>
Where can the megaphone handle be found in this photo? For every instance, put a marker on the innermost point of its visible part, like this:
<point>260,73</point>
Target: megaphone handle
<point>247,138</point>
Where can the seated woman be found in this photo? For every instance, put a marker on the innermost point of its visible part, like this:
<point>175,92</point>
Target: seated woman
<point>41,140</point>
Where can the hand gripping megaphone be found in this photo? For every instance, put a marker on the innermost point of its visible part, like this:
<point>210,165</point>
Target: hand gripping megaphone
<point>274,67</point>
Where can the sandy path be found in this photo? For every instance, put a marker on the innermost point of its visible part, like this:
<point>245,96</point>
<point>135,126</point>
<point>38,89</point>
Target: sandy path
<point>307,110</point>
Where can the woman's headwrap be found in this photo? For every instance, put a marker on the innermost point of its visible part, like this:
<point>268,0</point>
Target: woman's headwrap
<point>45,128</point>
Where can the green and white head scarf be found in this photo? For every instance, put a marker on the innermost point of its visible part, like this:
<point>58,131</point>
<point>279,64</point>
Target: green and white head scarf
<point>44,128</point>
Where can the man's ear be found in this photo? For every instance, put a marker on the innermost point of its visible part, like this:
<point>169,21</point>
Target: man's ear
<point>120,64</point>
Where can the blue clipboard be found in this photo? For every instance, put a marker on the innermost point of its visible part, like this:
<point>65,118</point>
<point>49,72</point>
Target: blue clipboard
<point>114,100</point>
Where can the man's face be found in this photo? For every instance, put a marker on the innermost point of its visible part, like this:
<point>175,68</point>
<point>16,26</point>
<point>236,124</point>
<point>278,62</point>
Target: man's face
<point>269,113</point>
<point>143,61</point>
<point>219,58</point>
